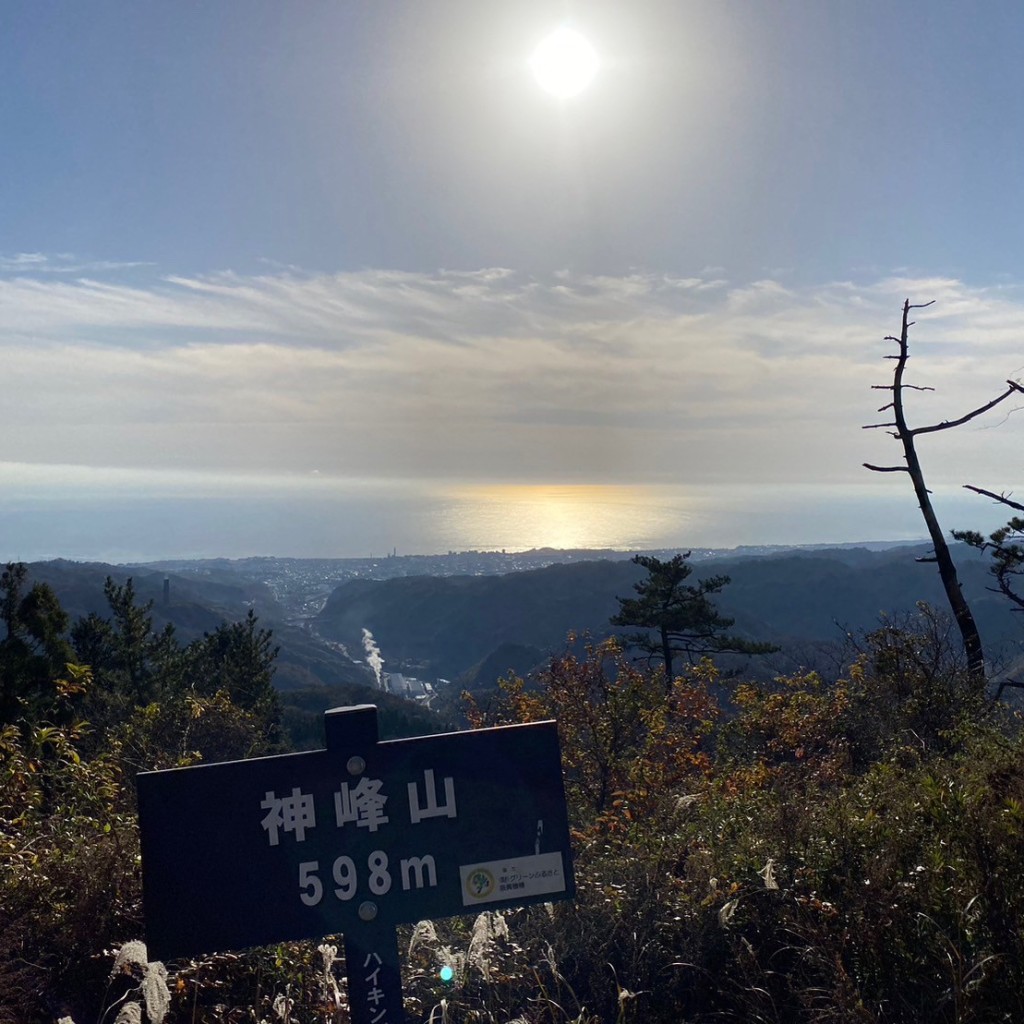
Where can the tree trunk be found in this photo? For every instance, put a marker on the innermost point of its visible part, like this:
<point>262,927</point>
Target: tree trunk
<point>905,435</point>
<point>666,653</point>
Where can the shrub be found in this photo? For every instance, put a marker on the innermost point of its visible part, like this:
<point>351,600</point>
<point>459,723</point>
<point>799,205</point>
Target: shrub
<point>69,870</point>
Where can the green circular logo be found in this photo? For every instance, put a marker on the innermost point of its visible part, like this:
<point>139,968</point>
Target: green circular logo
<point>479,883</point>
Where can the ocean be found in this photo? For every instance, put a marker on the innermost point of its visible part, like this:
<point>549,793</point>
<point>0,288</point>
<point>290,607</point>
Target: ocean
<point>126,521</point>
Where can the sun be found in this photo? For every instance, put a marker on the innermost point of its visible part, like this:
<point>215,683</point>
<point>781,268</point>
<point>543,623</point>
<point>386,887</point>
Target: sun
<point>564,63</point>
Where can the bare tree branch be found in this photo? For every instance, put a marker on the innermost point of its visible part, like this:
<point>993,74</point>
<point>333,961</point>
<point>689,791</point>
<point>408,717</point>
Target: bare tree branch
<point>1012,683</point>
<point>948,424</point>
<point>885,469</point>
<point>1001,498</point>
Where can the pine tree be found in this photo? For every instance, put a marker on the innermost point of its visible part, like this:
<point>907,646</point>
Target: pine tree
<point>675,617</point>
<point>33,649</point>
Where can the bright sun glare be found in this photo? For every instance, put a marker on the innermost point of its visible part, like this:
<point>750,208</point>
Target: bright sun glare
<point>564,63</point>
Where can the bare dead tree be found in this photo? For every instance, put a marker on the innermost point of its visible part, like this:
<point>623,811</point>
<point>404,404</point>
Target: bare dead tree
<point>907,436</point>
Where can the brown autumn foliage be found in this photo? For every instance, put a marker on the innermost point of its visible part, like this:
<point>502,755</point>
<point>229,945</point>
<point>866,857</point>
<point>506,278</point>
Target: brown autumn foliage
<point>801,850</point>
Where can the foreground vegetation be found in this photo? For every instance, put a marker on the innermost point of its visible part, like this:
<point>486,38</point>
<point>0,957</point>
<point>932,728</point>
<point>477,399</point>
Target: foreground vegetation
<point>815,850</point>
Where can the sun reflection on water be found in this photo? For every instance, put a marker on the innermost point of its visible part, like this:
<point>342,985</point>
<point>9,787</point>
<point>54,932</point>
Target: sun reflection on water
<point>520,516</point>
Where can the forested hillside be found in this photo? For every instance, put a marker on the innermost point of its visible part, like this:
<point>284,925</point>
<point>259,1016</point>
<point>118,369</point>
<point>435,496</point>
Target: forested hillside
<point>797,600</point>
<point>196,603</point>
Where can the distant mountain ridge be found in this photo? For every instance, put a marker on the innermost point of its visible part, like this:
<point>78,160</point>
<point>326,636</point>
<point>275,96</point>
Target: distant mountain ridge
<point>448,625</point>
<point>474,628</point>
<point>197,604</point>
<point>310,674</point>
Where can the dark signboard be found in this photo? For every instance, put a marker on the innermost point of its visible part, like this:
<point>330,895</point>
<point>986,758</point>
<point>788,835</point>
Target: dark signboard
<point>304,845</point>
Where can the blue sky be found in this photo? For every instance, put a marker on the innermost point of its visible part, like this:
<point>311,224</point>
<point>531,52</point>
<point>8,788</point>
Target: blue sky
<point>817,139</point>
<point>267,241</point>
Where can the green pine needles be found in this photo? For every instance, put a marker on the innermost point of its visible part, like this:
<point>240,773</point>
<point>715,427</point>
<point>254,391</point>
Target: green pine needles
<point>677,619</point>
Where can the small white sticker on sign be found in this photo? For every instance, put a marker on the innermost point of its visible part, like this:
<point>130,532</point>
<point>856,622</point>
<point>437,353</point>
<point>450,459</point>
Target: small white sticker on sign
<point>496,880</point>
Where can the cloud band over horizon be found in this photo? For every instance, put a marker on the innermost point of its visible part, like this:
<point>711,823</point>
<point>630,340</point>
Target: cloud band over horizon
<point>493,375</point>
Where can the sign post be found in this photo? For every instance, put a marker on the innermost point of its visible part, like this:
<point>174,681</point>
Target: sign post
<point>355,839</point>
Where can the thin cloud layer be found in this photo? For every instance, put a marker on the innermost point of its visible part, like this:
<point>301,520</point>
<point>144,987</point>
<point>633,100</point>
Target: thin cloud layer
<point>493,375</point>
<point>59,263</point>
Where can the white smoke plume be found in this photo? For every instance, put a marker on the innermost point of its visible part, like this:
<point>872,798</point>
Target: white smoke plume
<point>373,658</point>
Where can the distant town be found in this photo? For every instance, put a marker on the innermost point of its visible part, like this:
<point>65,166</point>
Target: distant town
<point>302,585</point>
